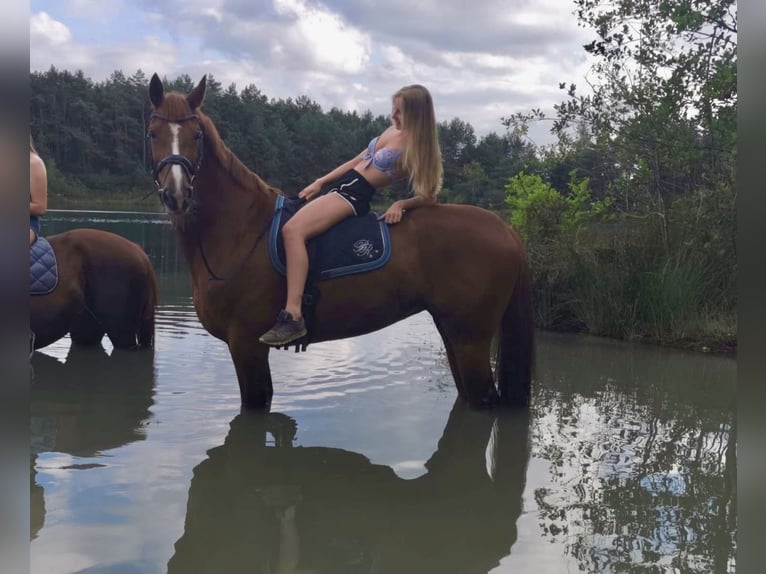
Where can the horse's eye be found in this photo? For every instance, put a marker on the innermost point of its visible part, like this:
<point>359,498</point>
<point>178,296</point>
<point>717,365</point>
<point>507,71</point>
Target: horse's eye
<point>151,134</point>
<point>198,136</point>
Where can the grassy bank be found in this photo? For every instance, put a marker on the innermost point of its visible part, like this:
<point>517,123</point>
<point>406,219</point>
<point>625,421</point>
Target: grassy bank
<point>100,192</point>
<point>107,202</point>
<point>618,283</point>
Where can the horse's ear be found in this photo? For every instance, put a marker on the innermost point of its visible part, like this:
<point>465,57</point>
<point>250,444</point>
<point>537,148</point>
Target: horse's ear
<point>196,96</point>
<point>156,90</point>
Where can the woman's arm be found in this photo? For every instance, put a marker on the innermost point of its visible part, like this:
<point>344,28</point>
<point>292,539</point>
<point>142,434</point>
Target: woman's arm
<point>394,213</point>
<point>313,188</point>
<point>38,186</point>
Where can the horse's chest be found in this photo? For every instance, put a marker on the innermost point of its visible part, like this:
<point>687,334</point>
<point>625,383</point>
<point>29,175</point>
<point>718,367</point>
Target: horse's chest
<point>209,312</point>
<point>215,309</point>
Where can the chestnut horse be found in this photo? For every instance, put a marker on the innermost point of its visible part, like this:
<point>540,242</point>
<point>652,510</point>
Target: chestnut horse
<point>106,286</point>
<point>462,264</point>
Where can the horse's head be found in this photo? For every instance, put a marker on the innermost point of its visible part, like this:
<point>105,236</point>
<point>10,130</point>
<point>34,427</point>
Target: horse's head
<point>176,143</point>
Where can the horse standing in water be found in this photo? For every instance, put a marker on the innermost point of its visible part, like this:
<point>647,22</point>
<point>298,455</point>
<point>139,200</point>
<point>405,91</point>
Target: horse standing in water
<point>460,263</point>
<point>106,286</point>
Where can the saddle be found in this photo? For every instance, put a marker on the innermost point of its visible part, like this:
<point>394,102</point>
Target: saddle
<point>355,245</point>
<point>43,268</point>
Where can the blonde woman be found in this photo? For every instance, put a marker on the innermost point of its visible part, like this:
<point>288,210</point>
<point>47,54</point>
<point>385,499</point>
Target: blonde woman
<point>38,191</point>
<point>409,149</point>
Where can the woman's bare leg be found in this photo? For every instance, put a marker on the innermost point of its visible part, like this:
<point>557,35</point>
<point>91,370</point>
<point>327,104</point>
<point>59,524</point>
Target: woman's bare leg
<point>314,218</point>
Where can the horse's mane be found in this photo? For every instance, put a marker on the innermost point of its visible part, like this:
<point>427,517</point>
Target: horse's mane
<point>230,162</point>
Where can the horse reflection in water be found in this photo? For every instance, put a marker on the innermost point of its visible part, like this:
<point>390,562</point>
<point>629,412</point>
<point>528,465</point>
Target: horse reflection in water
<point>300,510</point>
<point>91,403</point>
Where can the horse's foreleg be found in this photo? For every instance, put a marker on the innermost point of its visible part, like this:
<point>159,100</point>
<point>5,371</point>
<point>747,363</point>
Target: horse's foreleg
<point>251,362</point>
<point>87,330</point>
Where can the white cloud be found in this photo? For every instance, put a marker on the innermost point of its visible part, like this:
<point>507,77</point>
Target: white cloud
<point>52,44</point>
<point>44,28</point>
<point>479,64</point>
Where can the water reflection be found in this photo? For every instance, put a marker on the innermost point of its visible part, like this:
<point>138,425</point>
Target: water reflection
<point>90,403</point>
<point>632,465</point>
<point>260,504</point>
<point>641,448</point>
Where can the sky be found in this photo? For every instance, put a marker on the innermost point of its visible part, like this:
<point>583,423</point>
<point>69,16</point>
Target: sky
<point>481,59</point>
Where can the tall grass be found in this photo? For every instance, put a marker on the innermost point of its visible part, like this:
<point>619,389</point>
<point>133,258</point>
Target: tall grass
<point>619,283</point>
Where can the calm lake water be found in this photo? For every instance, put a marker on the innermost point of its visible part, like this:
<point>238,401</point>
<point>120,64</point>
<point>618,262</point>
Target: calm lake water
<point>145,463</point>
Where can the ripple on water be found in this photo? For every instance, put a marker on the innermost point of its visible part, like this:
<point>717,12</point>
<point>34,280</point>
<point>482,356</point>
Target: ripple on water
<point>363,364</point>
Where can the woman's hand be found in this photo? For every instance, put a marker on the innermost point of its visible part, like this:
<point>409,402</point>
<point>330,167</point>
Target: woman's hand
<point>310,190</point>
<point>393,214</point>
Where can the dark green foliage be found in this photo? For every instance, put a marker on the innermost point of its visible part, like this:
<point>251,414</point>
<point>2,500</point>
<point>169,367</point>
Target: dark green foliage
<point>95,134</point>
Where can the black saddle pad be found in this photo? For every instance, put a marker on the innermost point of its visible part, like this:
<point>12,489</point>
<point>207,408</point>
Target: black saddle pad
<point>355,245</point>
<point>43,268</point>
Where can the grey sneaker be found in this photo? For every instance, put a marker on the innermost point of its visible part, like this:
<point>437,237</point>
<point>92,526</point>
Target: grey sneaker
<point>286,330</point>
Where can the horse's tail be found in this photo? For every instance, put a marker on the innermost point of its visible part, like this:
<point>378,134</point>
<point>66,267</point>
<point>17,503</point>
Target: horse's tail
<point>145,334</point>
<point>516,345</point>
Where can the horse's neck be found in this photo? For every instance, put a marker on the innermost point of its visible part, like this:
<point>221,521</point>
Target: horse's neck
<point>228,215</point>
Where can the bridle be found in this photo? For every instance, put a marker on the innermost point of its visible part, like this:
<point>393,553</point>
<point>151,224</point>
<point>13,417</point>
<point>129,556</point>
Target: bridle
<point>191,170</point>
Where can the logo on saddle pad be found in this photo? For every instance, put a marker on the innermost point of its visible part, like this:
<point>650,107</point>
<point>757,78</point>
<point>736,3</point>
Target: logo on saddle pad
<point>337,251</point>
<point>364,248</point>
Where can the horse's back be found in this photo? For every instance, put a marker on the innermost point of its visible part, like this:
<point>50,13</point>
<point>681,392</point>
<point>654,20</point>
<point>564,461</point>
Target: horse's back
<point>449,241</point>
<point>468,225</point>
<point>101,247</point>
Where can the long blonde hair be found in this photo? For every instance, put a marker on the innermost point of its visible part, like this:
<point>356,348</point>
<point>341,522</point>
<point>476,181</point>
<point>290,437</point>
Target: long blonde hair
<point>422,158</point>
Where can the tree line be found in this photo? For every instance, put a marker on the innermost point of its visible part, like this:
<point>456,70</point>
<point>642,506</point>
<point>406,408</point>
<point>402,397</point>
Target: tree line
<point>93,133</point>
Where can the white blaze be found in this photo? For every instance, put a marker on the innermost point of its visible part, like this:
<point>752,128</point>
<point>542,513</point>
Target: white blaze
<point>175,170</point>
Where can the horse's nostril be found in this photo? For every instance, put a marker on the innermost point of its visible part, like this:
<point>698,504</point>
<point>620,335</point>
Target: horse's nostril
<point>169,200</point>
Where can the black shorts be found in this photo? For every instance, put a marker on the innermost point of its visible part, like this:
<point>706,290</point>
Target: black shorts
<point>356,190</point>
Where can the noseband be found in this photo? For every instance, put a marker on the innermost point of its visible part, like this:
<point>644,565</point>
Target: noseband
<point>191,170</point>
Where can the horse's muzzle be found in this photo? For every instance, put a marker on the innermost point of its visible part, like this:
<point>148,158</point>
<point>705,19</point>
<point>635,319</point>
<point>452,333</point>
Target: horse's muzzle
<point>171,202</point>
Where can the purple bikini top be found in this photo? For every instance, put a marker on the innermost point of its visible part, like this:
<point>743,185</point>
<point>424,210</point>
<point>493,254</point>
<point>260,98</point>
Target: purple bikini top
<point>384,159</point>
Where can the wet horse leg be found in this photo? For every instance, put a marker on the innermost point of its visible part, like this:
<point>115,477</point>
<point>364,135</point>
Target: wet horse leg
<point>87,330</point>
<point>470,364</point>
<point>251,362</point>
<point>452,362</point>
